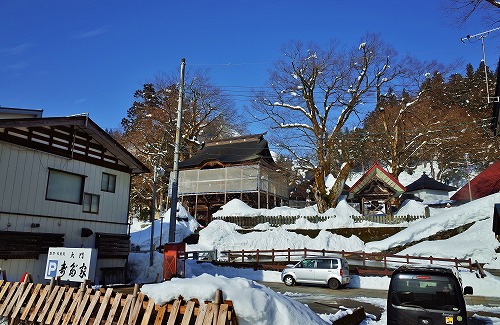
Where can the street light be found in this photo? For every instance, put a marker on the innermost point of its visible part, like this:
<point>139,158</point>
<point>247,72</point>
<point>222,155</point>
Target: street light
<point>468,175</point>
<point>157,172</point>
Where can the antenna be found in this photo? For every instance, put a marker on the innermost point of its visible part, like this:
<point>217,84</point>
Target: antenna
<point>482,36</point>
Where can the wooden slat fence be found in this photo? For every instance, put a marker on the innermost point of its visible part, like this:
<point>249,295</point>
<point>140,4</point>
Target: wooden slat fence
<point>276,221</point>
<point>363,259</point>
<point>27,303</point>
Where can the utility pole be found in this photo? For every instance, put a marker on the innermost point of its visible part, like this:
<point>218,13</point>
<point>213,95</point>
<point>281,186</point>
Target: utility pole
<point>175,173</point>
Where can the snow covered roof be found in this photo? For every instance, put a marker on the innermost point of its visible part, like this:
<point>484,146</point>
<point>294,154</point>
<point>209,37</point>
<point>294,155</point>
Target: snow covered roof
<point>486,183</point>
<point>427,183</point>
<point>377,172</point>
<point>231,151</point>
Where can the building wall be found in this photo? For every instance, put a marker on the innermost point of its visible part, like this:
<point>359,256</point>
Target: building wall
<point>23,183</point>
<point>431,196</point>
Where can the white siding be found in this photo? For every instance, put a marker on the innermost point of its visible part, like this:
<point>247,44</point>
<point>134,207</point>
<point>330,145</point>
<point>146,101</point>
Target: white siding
<point>23,179</point>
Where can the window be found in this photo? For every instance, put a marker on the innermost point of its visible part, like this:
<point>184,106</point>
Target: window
<point>65,187</point>
<point>90,203</point>
<point>108,182</point>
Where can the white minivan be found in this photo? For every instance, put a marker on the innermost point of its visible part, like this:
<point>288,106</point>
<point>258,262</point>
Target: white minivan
<point>331,271</point>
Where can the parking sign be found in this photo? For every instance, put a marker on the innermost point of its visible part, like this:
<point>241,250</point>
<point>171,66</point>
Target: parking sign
<point>71,264</point>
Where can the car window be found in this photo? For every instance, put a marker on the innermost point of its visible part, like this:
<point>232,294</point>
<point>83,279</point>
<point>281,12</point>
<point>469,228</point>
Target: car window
<point>335,264</point>
<point>307,264</point>
<point>324,264</point>
<point>430,292</point>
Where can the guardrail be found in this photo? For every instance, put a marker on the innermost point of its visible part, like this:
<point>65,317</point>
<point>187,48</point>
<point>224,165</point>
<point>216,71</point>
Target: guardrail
<point>375,260</point>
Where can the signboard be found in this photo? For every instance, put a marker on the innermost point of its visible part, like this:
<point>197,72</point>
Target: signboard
<point>71,264</point>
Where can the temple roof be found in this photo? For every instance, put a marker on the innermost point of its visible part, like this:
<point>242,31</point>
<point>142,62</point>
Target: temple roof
<point>231,151</point>
<point>427,183</point>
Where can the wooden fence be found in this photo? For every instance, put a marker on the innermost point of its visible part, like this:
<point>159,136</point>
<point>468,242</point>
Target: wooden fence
<point>27,303</point>
<point>276,221</point>
<point>379,261</point>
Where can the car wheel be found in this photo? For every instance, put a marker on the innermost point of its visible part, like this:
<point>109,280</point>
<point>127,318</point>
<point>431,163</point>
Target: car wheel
<point>334,284</point>
<point>289,280</point>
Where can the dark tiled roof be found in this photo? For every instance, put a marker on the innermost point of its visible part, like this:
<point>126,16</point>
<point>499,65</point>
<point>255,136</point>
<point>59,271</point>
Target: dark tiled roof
<point>427,183</point>
<point>231,151</point>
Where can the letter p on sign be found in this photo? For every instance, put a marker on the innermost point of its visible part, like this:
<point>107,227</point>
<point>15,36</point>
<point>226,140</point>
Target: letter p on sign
<point>52,268</point>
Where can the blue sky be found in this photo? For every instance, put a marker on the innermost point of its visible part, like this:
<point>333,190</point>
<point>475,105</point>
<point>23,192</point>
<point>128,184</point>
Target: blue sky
<point>71,57</point>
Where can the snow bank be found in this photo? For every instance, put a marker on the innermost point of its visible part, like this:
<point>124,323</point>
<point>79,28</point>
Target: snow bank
<point>477,210</point>
<point>255,304</point>
<point>411,208</point>
<point>222,235</point>
<point>140,232</point>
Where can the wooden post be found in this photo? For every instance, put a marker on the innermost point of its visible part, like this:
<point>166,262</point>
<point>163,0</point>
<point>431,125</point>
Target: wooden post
<point>218,298</point>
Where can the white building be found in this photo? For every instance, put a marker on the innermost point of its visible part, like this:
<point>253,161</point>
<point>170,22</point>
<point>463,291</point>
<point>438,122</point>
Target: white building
<point>64,182</point>
<point>429,190</point>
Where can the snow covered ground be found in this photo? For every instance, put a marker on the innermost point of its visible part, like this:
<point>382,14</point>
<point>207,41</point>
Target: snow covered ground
<point>257,304</point>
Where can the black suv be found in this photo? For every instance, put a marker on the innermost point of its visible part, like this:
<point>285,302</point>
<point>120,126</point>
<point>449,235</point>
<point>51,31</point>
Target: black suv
<point>426,295</point>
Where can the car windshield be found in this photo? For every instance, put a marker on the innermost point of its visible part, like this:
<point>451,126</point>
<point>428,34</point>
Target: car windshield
<point>429,292</point>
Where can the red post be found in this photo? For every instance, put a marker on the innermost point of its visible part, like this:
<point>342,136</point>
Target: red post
<point>272,255</point>
<point>257,257</point>
<point>305,252</point>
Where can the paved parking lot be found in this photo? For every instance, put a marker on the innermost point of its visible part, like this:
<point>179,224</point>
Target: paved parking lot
<point>324,300</point>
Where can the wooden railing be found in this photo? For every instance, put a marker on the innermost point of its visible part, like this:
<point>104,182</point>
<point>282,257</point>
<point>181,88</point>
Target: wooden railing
<point>27,303</point>
<point>361,259</point>
<point>276,221</point>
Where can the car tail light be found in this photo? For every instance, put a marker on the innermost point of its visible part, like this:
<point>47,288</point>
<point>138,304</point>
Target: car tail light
<point>341,272</point>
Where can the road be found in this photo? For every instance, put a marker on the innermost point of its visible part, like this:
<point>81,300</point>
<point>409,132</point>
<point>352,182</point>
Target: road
<point>324,300</point>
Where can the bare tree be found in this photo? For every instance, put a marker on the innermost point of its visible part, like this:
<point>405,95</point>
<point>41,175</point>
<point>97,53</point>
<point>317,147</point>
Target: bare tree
<point>462,10</point>
<point>402,127</point>
<point>149,128</point>
<point>315,92</point>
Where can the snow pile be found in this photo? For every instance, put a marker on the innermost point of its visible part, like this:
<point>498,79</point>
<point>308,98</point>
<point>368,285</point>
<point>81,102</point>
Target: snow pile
<point>236,207</point>
<point>330,223</point>
<point>287,211</point>
<point>255,304</point>
<point>140,232</point>
<point>221,235</point>
<point>411,208</point>
<point>481,209</point>
<point>342,209</point>
<point>463,245</point>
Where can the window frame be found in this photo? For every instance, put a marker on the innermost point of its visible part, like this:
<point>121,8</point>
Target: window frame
<point>107,187</point>
<point>82,186</point>
<point>92,197</point>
